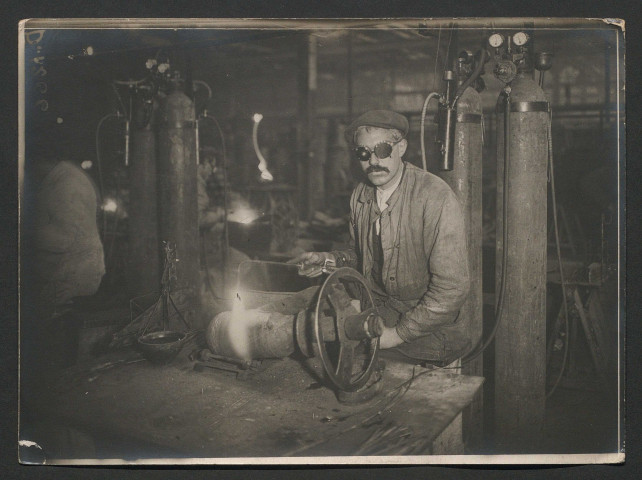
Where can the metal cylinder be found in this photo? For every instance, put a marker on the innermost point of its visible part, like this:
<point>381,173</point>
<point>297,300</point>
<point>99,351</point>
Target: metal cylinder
<point>251,334</point>
<point>363,325</point>
<point>520,344</point>
<point>178,208</point>
<point>143,264</point>
<point>465,179</point>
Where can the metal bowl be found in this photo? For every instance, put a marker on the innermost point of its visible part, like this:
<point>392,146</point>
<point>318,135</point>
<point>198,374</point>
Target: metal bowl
<point>161,347</point>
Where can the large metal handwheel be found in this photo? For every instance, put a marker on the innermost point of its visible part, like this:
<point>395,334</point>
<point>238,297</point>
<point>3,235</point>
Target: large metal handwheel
<point>341,331</point>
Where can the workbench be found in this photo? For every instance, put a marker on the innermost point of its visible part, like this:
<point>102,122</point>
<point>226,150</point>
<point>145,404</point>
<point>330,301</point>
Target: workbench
<point>283,410</point>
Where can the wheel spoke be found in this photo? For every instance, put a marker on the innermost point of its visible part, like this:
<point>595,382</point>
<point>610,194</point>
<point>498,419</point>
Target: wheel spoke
<point>344,365</point>
<point>338,297</point>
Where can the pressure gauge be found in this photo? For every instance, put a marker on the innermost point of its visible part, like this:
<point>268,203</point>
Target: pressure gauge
<point>520,38</point>
<point>496,40</point>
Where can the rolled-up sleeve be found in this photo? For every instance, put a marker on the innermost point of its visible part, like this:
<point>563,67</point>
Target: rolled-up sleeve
<point>449,273</point>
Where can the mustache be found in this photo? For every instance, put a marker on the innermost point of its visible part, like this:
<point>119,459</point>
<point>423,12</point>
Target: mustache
<point>376,168</point>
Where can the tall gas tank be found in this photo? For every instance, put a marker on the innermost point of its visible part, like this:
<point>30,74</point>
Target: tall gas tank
<point>466,181</point>
<point>520,344</point>
<point>177,193</point>
<point>143,275</point>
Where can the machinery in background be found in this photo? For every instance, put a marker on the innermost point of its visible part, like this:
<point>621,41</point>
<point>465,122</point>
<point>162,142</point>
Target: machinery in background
<point>161,136</point>
<point>162,156</point>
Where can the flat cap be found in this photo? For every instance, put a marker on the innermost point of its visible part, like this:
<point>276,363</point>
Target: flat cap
<point>378,118</point>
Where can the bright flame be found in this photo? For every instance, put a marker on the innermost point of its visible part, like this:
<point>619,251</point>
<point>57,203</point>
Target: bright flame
<point>263,167</point>
<point>238,332</point>
<point>239,327</point>
<point>242,328</point>
<point>110,205</point>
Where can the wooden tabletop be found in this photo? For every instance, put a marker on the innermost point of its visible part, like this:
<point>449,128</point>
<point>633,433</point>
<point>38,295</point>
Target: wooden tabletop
<point>280,411</point>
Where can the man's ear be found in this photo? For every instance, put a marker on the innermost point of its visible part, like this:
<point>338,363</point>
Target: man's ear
<point>403,145</point>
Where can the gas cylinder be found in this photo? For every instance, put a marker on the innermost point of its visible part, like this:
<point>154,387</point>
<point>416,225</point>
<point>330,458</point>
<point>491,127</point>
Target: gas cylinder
<point>466,181</point>
<point>520,344</point>
<point>143,264</point>
<point>177,192</point>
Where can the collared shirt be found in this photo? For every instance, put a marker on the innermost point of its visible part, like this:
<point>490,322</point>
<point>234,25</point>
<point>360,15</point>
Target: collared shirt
<point>383,195</point>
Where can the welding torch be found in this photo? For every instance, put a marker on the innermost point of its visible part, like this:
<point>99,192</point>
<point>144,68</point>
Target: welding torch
<point>313,264</point>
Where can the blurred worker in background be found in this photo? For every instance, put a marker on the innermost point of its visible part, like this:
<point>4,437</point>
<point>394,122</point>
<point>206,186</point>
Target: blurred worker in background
<point>408,240</point>
<point>68,258</point>
<point>209,191</point>
<point>62,259</point>
<point>62,254</point>
<point>219,262</point>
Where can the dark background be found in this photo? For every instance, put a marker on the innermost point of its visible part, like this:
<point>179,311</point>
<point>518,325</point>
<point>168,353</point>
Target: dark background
<point>15,11</point>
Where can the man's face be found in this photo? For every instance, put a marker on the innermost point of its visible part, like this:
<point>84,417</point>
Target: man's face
<point>380,171</point>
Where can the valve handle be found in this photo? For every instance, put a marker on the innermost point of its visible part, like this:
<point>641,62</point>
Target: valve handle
<point>347,353</point>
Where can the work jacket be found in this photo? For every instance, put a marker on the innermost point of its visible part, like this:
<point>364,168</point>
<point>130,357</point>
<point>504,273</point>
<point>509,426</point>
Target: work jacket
<point>425,262</point>
<point>67,251</point>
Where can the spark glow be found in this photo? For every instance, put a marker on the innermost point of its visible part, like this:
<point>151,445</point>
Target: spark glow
<point>238,330</point>
<point>110,205</point>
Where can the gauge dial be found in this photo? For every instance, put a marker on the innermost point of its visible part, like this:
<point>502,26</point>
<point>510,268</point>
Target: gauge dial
<point>520,38</point>
<point>495,40</point>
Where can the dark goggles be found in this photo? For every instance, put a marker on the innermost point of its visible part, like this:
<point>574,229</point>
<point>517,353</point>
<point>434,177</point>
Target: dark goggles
<point>381,150</point>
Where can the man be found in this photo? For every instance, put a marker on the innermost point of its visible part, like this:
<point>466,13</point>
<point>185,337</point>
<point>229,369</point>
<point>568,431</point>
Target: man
<point>408,240</point>
<point>62,258</point>
<point>209,215</point>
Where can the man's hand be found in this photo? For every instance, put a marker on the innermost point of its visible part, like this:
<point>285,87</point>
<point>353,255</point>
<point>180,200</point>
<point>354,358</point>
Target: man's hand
<point>390,338</point>
<point>311,263</point>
